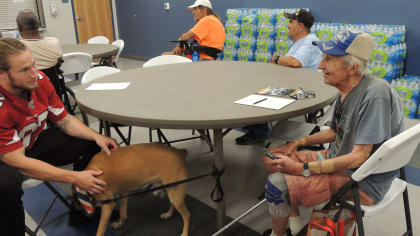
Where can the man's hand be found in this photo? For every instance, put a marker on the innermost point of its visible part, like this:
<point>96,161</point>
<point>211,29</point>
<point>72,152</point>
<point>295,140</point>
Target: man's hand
<point>282,164</point>
<point>105,143</point>
<point>177,50</point>
<point>273,57</point>
<point>286,149</point>
<point>87,180</point>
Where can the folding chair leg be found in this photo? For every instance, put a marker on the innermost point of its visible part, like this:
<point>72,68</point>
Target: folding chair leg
<point>161,135</point>
<point>58,194</point>
<point>406,206</point>
<point>29,231</point>
<point>358,210</point>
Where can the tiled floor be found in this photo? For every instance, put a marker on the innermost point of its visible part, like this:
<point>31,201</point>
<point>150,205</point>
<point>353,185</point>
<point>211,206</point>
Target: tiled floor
<point>244,178</point>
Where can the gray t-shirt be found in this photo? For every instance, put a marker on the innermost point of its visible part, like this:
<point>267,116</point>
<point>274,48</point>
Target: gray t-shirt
<point>370,114</point>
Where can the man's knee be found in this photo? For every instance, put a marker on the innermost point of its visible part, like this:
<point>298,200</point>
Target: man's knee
<point>277,195</point>
<point>10,183</point>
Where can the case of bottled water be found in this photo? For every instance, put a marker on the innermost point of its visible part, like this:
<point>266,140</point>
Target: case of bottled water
<point>245,54</point>
<point>408,89</point>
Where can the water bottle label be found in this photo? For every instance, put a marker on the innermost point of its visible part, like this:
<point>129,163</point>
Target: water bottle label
<point>379,37</point>
<point>264,32</point>
<point>243,56</point>
<point>232,17</point>
<point>263,19</point>
<point>282,32</point>
<point>230,43</point>
<point>282,47</point>
<point>378,72</point>
<point>325,35</point>
<point>246,30</point>
<point>262,46</point>
<point>379,55</point>
<point>245,43</point>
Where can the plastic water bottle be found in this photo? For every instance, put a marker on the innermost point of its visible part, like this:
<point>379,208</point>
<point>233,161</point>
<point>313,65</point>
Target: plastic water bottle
<point>195,56</point>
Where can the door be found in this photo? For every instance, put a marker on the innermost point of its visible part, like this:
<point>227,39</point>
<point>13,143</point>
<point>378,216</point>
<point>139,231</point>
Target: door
<point>93,18</point>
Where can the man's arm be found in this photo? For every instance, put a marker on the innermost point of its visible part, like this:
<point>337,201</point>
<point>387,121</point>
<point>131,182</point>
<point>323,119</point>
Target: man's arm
<point>74,127</point>
<point>37,169</point>
<point>286,61</point>
<point>356,158</point>
<point>321,137</point>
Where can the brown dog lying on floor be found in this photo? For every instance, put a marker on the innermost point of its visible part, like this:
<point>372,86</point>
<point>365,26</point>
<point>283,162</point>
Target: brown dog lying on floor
<point>130,167</point>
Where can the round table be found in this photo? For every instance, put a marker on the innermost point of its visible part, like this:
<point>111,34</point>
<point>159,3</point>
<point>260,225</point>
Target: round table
<point>201,96</point>
<point>96,50</point>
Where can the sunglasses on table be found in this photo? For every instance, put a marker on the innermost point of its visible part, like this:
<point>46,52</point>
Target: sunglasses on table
<point>301,94</point>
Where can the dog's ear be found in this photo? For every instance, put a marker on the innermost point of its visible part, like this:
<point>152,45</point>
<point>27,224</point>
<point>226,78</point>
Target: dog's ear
<point>84,202</point>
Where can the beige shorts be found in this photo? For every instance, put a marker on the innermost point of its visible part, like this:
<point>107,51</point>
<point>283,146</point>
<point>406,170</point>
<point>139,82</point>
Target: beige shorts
<point>315,189</point>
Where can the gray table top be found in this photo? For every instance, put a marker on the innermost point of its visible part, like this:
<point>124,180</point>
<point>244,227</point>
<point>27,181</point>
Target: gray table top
<point>201,95</point>
<point>96,50</point>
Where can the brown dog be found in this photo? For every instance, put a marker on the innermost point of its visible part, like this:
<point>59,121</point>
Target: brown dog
<point>130,167</point>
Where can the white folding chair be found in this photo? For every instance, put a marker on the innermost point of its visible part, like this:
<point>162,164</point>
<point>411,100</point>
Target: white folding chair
<point>95,73</point>
<point>75,63</point>
<point>120,44</point>
<point>98,40</point>
<point>392,155</point>
<point>165,60</point>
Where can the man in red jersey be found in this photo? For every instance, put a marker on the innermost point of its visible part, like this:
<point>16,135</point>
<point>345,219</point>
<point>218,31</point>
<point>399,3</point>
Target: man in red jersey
<point>27,101</point>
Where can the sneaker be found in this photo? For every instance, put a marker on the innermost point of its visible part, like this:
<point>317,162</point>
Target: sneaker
<point>249,139</point>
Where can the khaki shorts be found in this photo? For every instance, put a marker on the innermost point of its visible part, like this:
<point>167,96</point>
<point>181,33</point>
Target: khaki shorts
<point>315,189</point>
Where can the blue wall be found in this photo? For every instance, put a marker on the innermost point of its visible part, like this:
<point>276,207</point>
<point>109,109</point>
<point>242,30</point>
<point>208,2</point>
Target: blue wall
<point>147,28</point>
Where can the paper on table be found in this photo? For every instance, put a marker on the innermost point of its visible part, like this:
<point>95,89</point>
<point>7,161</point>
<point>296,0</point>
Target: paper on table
<point>108,86</point>
<point>270,102</point>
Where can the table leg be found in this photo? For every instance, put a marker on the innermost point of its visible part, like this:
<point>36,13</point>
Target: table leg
<point>219,164</point>
<point>107,128</point>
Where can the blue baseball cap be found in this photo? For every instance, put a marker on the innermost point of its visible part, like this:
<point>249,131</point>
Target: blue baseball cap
<point>347,42</point>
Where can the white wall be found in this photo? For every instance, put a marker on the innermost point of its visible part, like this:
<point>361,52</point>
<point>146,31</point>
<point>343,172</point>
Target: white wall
<point>62,25</point>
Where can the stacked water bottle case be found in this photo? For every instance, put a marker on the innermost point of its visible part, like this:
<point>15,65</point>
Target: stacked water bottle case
<point>255,34</point>
<point>408,88</point>
<point>387,61</point>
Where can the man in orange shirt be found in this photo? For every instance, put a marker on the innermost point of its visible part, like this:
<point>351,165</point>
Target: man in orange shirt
<point>208,32</point>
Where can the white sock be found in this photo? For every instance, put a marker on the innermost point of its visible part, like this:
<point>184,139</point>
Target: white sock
<point>296,224</point>
<point>273,234</point>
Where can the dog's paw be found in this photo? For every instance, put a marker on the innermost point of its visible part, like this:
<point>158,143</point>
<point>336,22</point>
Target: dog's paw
<point>166,215</point>
<point>117,224</point>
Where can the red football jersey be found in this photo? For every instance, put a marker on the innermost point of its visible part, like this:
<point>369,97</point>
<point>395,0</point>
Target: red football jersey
<point>21,121</point>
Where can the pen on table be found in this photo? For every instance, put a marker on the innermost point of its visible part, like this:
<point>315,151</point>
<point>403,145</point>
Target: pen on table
<point>259,101</point>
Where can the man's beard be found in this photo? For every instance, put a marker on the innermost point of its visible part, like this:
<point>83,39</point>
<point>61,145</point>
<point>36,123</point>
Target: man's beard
<point>24,89</point>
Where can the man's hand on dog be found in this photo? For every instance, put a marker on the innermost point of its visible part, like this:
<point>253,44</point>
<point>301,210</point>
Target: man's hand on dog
<point>106,143</point>
<point>87,180</point>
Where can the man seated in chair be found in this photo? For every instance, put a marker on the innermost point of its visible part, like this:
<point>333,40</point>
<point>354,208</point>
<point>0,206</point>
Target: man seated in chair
<point>301,55</point>
<point>27,100</point>
<point>45,50</point>
<point>367,113</point>
<point>209,32</point>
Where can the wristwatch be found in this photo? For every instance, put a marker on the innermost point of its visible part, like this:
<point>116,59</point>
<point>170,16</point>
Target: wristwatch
<point>306,172</point>
<point>276,58</point>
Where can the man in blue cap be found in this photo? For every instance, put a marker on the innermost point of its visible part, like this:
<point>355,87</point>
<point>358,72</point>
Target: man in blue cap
<point>367,113</point>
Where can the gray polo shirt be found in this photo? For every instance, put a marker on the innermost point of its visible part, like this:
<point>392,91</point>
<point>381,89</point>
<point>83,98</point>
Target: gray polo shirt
<point>370,114</point>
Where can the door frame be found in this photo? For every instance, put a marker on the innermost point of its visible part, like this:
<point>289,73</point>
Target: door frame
<point>75,23</point>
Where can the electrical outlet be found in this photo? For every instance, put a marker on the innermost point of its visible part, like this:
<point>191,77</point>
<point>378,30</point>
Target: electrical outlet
<point>166,6</point>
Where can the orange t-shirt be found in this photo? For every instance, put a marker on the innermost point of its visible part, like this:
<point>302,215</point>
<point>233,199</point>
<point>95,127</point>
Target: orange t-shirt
<point>209,32</point>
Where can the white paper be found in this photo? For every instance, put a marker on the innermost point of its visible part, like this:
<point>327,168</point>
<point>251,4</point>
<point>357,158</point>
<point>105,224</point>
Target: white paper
<point>108,86</point>
<point>270,102</point>
<point>18,1</point>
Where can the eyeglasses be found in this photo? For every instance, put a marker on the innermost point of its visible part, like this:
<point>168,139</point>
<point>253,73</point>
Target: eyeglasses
<point>303,94</point>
